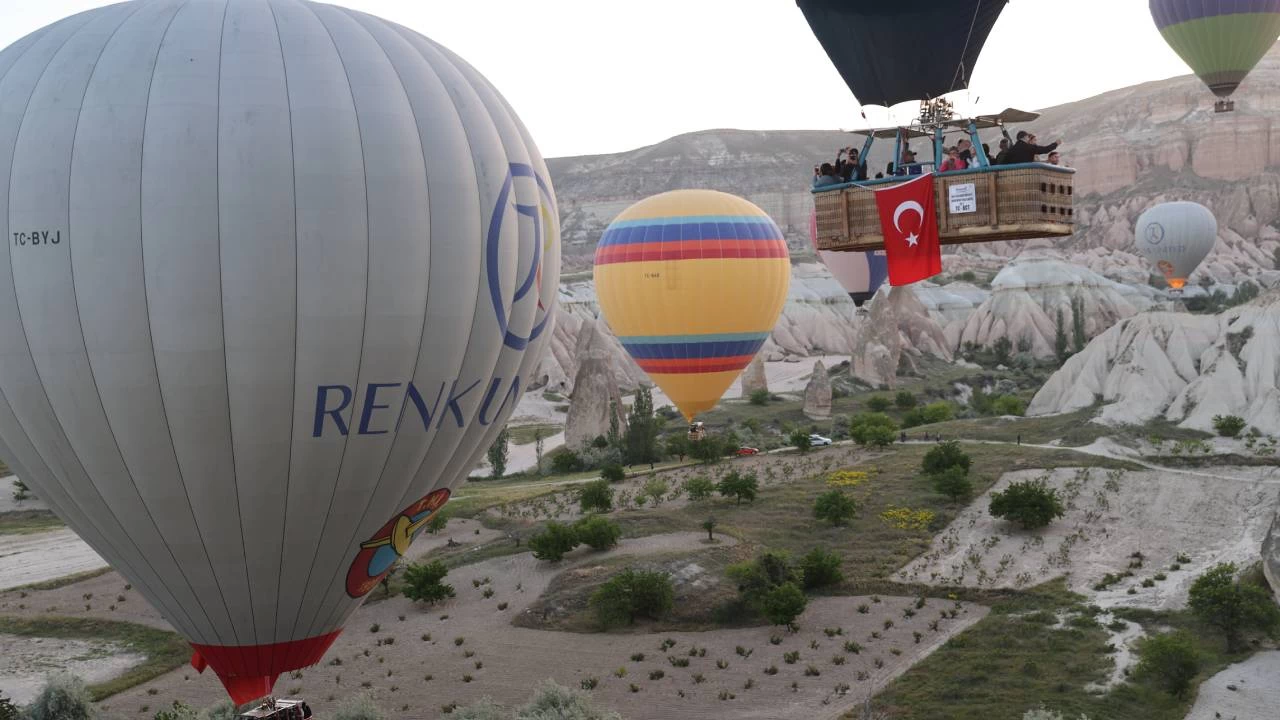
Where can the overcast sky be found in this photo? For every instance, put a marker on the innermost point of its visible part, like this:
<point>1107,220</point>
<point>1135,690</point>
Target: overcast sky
<point>597,76</point>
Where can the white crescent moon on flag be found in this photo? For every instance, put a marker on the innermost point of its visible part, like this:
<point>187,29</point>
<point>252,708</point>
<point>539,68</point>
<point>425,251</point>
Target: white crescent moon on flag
<point>908,205</point>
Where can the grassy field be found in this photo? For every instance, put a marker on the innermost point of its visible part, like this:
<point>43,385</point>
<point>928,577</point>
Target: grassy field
<point>525,434</point>
<point>24,522</point>
<point>164,650</point>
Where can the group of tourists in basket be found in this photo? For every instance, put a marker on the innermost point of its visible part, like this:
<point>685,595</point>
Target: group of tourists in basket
<point>848,167</point>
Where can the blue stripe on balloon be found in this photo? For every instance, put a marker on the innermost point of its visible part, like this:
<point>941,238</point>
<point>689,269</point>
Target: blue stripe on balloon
<point>652,232</point>
<point>687,350</point>
<point>1172,12</point>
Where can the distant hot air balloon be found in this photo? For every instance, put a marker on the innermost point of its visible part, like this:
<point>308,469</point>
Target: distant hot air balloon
<point>1175,237</point>
<point>278,272</point>
<point>860,273</point>
<point>1220,39</point>
<point>692,282</point>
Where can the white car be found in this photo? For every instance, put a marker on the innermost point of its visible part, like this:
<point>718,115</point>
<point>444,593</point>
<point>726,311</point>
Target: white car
<point>818,441</point>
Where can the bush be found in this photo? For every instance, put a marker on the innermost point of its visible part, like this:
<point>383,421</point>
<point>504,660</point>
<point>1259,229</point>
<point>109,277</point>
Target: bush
<point>565,461</point>
<point>1008,405</point>
<point>880,403</point>
<point>1030,502</point>
<point>800,439</point>
<point>953,482</point>
<point>699,488</point>
<point>358,707</point>
<point>783,604</point>
<point>556,702</point>
<point>759,397</point>
<point>1171,661</point>
<point>1228,425</point>
<point>553,542</point>
<point>656,488</point>
<point>873,429</point>
<point>631,594</point>
<point>835,507</point>
<point>740,486</point>
<point>598,532</point>
<point>613,473</point>
<point>1232,606</point>
<point>63,697</point>
<point>423,582</point>
<point>937,412</point>
<point>225,710</point>
<point>483,709</point>
<point>820,568</point>
<point>945,455</point>
<point>178,711</point>
<point>596,495</point>
<point>904,400</point>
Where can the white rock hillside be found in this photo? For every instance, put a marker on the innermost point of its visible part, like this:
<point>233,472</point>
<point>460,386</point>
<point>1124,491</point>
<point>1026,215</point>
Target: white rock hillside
<point>1186,368</point>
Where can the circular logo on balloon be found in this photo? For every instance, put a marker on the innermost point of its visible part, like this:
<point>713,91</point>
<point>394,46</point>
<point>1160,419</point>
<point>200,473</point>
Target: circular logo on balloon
<point>543,221</point>
<point>390,543</point>
<point>1155,233</point>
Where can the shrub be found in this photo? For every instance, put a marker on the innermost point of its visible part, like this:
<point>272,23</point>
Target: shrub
<point>783,604</point>
<point>953,482</point>
<point>598,532</point>
<point>556,702</point>
<point>835,507</point>
<point>178,711</point>
<point>225,710</point>
<point>740,486</point>
<point>553,542</point>
<point>820,568</point>
<point>758,579</point>
<point>937,412</point>
<point>596,495</point>
<point>1030,502</point>
<point>1008,405</point>
<point>875,429</point>
<point>498,454</point>
<point>907,519</point>
<point>1228,425</point>
<point>63,697</point>
<point>566,461</point>
<point>699,488</point>
<point>631,594</point>
<point>904,400</point>
<point>613,472</point>
<point>1171,661</point>
<point>880,403</point>
<point>945,455</point>
<point>1232,606</point>
<point>423,582</point>
<point>800,439</point>
<point>656,488</point>
<point>759,397</point>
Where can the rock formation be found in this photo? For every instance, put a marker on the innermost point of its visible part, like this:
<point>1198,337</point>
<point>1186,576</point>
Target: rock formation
<point>595,391</point>
<point>753,378</point>
<point>896,332</point>
<point>1027,297</point>
<point>1271,556</point>
<point>1186,368</point>
<point>817,394</point>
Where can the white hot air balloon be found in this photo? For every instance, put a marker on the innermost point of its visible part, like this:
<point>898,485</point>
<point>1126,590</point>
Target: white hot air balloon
<point>277,274</point>
<point>1175,237</point>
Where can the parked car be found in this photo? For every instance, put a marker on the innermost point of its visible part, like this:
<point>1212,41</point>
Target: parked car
<point>748,451</point>
<point>818,441</point>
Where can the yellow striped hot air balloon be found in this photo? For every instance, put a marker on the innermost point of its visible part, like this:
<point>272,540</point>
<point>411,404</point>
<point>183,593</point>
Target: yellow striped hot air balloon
<point>692,282</point>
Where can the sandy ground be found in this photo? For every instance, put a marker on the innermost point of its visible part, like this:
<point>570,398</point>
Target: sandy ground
<point>26,662</point>
<point>515,659</point>
<point>1245,691</point>
<point>1212,516</point>
<point>8,504</point>
<point>37,557</point>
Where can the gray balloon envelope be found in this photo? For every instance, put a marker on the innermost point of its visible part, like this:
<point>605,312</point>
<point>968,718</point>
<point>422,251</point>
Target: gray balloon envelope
<point>1175,237</point>
<point>277,273</point>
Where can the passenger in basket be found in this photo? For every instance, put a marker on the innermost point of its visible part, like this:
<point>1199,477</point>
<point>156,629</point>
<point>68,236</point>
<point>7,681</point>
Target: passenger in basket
<point>826,176</point>
<point>953,161</point>
<point>1026,149</point>
<point>1003,155</point>
<point>1055,158</point>
<point>965,146</point>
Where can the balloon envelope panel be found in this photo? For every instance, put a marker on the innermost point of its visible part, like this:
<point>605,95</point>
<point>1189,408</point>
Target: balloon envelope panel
<point>276,273</point>
<point>1175,237</point>
<point>1221,40</point>
<point>860,273</point>
<point>692,282</point>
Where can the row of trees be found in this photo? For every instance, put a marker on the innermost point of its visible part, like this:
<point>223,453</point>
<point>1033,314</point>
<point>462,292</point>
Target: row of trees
<point>773,587</point>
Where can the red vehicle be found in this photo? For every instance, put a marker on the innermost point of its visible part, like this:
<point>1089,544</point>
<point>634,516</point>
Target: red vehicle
<point>748,451</point>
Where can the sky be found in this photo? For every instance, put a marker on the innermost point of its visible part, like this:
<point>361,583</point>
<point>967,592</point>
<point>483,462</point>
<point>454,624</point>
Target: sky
<point>591,77</point>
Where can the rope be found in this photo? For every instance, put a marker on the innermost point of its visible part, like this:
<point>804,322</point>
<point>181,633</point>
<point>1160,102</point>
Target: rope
<point>960,68</point>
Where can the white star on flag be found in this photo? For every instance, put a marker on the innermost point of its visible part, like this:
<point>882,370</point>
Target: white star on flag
<point>912,239</point>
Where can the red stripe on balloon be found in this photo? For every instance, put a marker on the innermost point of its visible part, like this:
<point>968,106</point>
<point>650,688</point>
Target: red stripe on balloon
<point>248,672</point>
<point>694,365</point>
<point>690,250</point>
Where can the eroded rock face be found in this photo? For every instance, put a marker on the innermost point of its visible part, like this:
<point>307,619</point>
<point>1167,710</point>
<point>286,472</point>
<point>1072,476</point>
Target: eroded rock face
<point>753,378</point>
<point>896,332</point>
<point>595,390</point>
<point>1186,368</point>
<point>817,394</point>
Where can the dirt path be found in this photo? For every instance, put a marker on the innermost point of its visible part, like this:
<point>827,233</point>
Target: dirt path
<point>38,557</point>
<point>1244,691</point>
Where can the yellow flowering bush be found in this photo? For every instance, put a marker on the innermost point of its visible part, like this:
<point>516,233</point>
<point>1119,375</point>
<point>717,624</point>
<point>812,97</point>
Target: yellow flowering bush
<point>847,478</point>
<point>907,519</point>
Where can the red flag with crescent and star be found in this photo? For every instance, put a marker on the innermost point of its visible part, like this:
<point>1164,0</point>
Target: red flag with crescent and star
<point>910,228</point>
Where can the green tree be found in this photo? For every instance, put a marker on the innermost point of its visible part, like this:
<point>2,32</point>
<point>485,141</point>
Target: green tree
<point>937,412</point>
<point>835,507</point>
<point>596,495</point>
<point>800,439</point>
<point>631,594</point>
<point>642,430</point>
<point>537,450</point>
<point>424,583</point>
<point>1170,660</point>
<point>1077,323</point>
<point>1060,348</point>
<point>699,487</point>
<point>614,438</point>
<point>1008,405</point>
<point>740,486</point>
<point>1228,425</point>
<point>498,454</point>
<point>762,573</point>
<point>708,450</point>
<point>613,473</point>
<point>437,523</point>
<point>1003,349</point>
<point>565,461</point>
<point>904,400</point>
<point>879,403</point>
<point>759,397</point>
<point>1232,606</point>
<point>20,490</point>
<point>953,482</point>
<point>873,429</point>
<point>820,568</point>
<point>944,455</point>
<point>678,445</point>
<point>783,604</point>
<point>598,532</point>
<point>710,525</point>
<point>656,488</point>
<point>1029,502</point>
<point>63,697</point>
<point>553,542</point>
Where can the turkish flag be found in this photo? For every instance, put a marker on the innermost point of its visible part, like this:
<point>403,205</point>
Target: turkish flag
<point>910,228</point>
